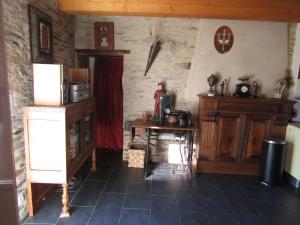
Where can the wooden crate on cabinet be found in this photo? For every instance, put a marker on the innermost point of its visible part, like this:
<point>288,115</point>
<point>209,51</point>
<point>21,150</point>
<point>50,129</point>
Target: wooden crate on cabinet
<point>58,140</point>
<point>232,131</point>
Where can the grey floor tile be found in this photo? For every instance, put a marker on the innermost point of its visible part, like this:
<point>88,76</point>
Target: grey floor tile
<point>282,217</point>
<point>210,191</point>
<point>266,207</point>
<point>139,187</point>
<point>88,194</point>
<point>241,205</point>
<point>79,216</point>
<point>190,202</point>
<point>110,200</point>
<point>252,220</point>
<point>182,179</point>
<point>38,224</point>
<point>165,187</point>
<point>188,189</point>
<point>204,179</point>
<point>118,186</point>
<point>234,191</point>
<point>217,206</point>
<point>163,203</point>
<point>223,220</point>
<point>121,169</point>
<point>163,217</point>
<point>137,201</point>
<point>138,196</point>
<point>102,173</point>
<point>49,212</point>
<point>193,218</point>
<point>109,217</point>
<point>135,217</point>
<point>108,209</point>
<point>223,180</point>
<point>23,221</point>
<point>260,194</point>
<point>137,175</point>
<point>174,200</point>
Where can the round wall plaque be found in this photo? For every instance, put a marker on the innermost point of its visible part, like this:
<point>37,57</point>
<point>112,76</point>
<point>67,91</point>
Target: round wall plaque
<point>223,39</point>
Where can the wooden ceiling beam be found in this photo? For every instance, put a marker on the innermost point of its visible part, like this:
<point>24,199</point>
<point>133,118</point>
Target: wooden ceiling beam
<point>270,10</point>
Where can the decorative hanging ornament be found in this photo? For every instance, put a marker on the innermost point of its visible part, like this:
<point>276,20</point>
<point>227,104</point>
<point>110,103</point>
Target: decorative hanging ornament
<point>223,39</point>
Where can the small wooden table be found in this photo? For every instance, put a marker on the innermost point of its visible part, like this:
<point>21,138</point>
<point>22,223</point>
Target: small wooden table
<point>152,125</point>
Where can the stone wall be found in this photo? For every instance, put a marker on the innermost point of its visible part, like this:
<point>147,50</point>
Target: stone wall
<point>188,57</point>
<point>172,64</point>
<point>20,71</point>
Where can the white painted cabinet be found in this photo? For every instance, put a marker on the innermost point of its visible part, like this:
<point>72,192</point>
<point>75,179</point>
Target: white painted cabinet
<point>58,140</point>
<point>292,163</point>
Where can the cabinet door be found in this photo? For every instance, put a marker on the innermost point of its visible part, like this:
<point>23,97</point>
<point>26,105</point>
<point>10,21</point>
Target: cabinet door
<point>74,138</point>
<point>207,140</point>
<point>229,138</point>
<point>256,130</point>
<point>88,131</point>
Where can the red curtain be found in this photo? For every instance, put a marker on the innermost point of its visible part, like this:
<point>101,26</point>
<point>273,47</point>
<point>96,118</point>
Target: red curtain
<point>108,92</point>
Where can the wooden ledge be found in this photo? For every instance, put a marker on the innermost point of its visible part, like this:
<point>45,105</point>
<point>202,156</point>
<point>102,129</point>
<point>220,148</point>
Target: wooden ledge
<point>99,52</point>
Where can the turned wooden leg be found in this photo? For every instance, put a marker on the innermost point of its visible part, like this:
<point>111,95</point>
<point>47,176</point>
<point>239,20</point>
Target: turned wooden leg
<point>65,201</point>
<point>29,198</point>
<point>94,160</point>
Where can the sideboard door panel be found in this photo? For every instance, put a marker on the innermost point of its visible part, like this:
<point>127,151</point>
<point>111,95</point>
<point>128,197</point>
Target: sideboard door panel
<point>207,141</point>
<point>278,131</point>
<point>257,129</point>
<point>228,140</point>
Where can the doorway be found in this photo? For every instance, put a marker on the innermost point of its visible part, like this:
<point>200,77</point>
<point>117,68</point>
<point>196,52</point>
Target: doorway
<point>108,91</point>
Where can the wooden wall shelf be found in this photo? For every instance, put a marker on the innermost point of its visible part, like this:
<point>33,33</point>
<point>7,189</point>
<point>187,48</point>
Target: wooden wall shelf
<point>82,55</point>
<point>100,52</point>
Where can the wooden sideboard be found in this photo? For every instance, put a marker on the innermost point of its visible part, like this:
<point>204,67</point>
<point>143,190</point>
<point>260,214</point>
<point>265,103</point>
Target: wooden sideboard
<point>58,140</point>
<point>232,131</point>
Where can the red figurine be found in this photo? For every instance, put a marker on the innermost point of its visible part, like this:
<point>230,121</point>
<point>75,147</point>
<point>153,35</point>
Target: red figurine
<point>158,93</point>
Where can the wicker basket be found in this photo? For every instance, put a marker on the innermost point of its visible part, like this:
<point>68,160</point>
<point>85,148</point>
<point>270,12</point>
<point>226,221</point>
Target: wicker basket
<point>136,154</point>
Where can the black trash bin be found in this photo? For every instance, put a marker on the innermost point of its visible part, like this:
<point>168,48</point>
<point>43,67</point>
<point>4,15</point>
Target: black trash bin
<point>272,162</point>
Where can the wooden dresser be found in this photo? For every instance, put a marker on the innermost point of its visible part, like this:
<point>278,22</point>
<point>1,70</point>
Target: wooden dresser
<point>58,140</point>
<point>232,131</point>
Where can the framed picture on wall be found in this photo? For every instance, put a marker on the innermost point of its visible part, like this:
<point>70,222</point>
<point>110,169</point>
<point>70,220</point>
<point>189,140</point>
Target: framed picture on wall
<point>41,36</point>
<point>104,35</point>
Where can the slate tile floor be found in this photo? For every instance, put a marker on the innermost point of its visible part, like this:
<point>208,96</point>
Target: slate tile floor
<point>118,195</point>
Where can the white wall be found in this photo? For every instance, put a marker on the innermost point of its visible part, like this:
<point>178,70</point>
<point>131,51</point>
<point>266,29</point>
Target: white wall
<point>259,50</point>
<point>296,63</point>
<point>295,70</point>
